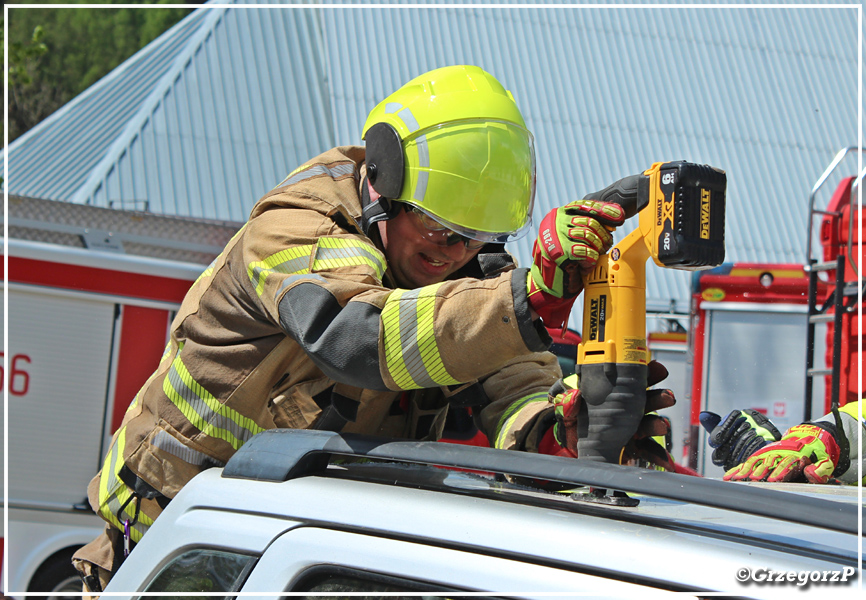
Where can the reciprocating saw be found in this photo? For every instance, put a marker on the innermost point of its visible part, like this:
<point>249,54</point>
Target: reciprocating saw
<point>681,208</point>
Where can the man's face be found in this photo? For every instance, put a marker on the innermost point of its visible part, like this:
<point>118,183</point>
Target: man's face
<point>414,260</point>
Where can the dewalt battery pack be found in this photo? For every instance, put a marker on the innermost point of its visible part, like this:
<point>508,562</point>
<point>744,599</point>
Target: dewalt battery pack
<point>689,207</point>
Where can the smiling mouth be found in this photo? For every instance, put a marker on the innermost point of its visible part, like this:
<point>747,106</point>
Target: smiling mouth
<point>433,261</point>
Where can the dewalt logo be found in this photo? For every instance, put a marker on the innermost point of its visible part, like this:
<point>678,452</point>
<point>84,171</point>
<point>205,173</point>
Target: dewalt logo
<point>597,309</point>
<point>705,214</point>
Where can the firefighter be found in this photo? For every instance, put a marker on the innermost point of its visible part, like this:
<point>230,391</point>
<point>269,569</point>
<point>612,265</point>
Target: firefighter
<point>750,448</point>
<point>366,292</point>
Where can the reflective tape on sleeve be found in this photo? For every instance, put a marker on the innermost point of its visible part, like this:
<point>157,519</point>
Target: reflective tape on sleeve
<point>307,172</point>
<point>510,417</point>
<point>207,272</point>
<point>336,252</point>
<point>288,262</point>
<point>411,353</point>
<point>327,254</point>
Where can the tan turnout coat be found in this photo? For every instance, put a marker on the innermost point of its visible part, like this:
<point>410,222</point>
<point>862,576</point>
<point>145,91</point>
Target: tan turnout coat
<point>298,324</point>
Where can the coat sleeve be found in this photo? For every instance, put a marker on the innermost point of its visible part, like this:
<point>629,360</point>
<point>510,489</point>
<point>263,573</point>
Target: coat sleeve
<point>853,417</point>
<point>322,285</point>
<point>520,412</point>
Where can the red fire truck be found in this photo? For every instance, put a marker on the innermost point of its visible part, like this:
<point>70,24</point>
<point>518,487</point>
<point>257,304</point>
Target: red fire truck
<point>754,327</point>
<point>91,293</point>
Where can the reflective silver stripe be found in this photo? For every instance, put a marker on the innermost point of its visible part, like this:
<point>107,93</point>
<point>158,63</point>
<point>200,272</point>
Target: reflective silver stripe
<point>115,480</point>
<point>392,107</point>
<point>335,252</point>
<point>349,252</point>
<point>212,419</point>
<point>409,342</point>
<point>293,265</point>
<point>113,503</point>
<point>340,170</point>
<point>293,278</point>
<point>424,162</point>
<point>208,271</point>
<point>409,119</point>
<point>421,186</point>
<point>423,151</point>
<point>138,527</point>
<point>167,442</point>
<point>288,262</point>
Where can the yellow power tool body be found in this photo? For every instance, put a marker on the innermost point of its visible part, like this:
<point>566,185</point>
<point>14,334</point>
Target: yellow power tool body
<point>681,211</point>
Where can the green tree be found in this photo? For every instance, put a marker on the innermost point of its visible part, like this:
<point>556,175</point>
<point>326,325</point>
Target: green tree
<point>24,59</point>
<point>83,45</point>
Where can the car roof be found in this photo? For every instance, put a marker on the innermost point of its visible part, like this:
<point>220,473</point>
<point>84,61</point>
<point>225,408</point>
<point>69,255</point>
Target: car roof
<point>492,502</point>
<point>284,454</point>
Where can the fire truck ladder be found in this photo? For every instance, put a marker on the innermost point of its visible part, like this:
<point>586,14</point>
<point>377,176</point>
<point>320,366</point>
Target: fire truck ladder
<point>840,291</point>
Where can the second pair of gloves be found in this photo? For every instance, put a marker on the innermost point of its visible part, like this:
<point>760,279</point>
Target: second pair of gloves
<point>750,448</point>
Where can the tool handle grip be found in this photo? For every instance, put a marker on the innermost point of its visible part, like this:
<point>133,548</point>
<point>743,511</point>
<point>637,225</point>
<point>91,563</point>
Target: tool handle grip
<point>631,193</point>
<point>614,398</point>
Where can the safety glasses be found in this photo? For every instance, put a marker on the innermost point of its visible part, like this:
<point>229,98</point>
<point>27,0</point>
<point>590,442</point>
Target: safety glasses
<point>437,233</point>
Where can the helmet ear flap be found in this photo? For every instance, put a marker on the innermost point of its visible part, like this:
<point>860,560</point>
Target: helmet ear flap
<point>385,160</point>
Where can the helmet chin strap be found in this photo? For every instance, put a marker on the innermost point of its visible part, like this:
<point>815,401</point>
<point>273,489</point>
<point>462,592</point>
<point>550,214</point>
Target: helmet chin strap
<point>375,207</point>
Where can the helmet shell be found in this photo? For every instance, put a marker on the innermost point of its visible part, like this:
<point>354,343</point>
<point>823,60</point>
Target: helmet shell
<point>469,160</point>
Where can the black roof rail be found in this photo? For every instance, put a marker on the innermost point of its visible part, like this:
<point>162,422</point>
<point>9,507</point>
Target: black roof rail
<point>284,454</point>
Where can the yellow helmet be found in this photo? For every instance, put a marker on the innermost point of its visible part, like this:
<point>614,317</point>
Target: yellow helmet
<point>453,143</point>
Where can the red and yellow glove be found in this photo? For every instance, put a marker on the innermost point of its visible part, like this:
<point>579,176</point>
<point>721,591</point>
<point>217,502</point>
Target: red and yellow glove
<point>566,406</point>
<point>561,438</point>
<point>570,240</point>
<point>804,451</point>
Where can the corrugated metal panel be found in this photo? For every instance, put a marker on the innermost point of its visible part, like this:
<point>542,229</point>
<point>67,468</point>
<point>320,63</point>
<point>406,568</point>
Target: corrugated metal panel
<point>769,94</point>
<point>54,159</point>
<point>200,123</point>
<point>245,104</point>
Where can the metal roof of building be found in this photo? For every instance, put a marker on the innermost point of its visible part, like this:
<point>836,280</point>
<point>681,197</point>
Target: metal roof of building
<point>220,108</point>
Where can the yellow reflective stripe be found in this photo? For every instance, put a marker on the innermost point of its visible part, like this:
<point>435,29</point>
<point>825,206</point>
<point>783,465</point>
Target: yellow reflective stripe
<point>502,435</point>
<point>506,421</point>
<point>288,261</point>
<point>330,253</point>
<point>411,353</point>
<point>427,337</point>
<point>110,469</point>
<point>113,493</point>
<point>334,252</point>
<point>141,524</point>
<point>203,410</point>
<point>206,273</point>
<point>393,353</point>
<point>135,399</point>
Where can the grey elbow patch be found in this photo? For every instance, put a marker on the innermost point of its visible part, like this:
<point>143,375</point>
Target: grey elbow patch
<point>534,334</point>
<point>342,341</point>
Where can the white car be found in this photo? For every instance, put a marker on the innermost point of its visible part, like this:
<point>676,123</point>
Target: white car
<point>320,512</point>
